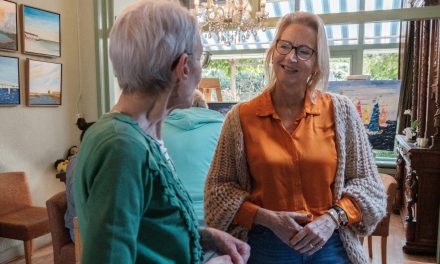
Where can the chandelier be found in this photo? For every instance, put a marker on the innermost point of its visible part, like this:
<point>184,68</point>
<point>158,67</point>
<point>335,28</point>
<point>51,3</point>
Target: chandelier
<point>233,21</point>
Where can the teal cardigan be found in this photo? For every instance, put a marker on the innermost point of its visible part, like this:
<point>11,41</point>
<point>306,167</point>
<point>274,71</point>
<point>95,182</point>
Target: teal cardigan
<point>131,207</point>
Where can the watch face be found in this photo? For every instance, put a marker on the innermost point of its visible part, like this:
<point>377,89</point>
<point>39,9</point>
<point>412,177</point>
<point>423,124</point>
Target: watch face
<point>344,219</point>
<point>342,216</point>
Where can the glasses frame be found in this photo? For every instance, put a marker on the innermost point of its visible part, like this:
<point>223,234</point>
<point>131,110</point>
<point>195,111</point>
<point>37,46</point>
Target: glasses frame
<point>296,50</point>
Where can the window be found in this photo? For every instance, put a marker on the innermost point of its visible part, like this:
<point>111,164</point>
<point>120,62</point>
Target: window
<point>339,68</point>
<point>329,6</point>
<point>240,79</point>
<point>381,64</point>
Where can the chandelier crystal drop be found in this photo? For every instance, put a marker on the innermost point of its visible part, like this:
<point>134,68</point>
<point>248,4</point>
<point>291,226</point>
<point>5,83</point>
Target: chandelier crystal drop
<point>233,21</point>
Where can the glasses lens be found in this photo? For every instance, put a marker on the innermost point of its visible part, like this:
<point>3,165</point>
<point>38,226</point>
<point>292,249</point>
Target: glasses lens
<point>304,52</point>
<point>283,47</point>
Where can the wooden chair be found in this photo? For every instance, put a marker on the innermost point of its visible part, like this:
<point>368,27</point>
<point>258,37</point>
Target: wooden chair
<point>18,218</point>
<point>383,227</point>
<point>63,247</point>
<point>78,243</point>
<point>206,86</point>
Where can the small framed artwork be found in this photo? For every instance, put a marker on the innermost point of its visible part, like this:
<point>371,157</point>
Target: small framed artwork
<point>43,83</point>
<point>9,81</point>
<point>8,26</point>
<point>41,32</point>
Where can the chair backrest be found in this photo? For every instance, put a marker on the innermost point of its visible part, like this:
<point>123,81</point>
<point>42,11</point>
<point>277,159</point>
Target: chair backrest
<point>78,243</point>
<point>390,185</point>
<point>205,86</point>
<point>14,190</point>
<point>56,208</point>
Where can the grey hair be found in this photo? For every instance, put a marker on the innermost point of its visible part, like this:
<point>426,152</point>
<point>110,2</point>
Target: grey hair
<point>320,79</point>
<point>199,100</point>
<point>147,37</point>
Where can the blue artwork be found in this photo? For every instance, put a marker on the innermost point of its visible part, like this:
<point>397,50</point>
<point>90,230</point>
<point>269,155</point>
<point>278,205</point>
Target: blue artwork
<point>41,32</point>
<point>9,84</point>
<point>8,25</point>
<point>222,107</point>
<point>44,83</point>
<point>376,103</point>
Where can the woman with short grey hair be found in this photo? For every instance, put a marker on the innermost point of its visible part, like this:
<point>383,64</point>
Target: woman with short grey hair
<point>131,206</point>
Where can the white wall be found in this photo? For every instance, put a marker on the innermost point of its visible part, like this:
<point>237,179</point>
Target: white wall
<point>32,138</point>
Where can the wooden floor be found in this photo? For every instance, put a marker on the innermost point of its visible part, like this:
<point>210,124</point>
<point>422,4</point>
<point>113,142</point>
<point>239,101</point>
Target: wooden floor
<point>395,253</point>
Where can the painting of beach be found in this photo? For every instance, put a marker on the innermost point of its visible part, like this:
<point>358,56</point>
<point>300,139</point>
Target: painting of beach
<point>8,25</point>
<point>9,81</point>
<point>43,83</point>
<point>41,32</point>
<point>376,103</point>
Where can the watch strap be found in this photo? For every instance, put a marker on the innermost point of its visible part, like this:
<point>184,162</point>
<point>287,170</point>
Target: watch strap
<point>342,215</point>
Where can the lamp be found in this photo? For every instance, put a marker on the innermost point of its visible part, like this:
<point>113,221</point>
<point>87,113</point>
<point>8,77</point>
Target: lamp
<point>233,21</point>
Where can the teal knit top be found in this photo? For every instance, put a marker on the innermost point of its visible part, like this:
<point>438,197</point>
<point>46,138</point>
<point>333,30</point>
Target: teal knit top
<point>131,206</point>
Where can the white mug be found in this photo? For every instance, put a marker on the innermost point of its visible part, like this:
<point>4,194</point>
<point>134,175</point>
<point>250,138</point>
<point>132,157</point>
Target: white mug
<point>422,142</point>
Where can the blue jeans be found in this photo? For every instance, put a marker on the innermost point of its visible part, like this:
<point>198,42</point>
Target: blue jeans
<point>267,248</point>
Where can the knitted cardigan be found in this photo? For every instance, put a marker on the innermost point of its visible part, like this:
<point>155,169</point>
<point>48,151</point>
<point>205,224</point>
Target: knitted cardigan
<point>228,183</point>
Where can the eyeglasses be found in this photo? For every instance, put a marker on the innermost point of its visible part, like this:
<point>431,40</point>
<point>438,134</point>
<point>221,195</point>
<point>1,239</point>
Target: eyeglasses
<point>302,52</point>
<point>203,60</point>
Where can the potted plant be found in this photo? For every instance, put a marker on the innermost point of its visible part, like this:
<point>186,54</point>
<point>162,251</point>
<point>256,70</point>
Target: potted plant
<point>411,132</point>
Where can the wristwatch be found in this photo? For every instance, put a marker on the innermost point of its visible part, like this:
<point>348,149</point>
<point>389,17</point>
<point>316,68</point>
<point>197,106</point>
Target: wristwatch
<point>342,216</point>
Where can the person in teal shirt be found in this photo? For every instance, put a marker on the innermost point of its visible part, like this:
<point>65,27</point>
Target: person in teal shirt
<point>131,206</point>
<point>191,135</point>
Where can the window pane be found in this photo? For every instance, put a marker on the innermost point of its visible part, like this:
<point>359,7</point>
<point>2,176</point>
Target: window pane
<point>381,64</point>
<point>382,4</point>
<point>339,68</point>
<point>329,6</point>
<point>382,32</point>
<point>346,34</point>
<point>220,69</point>
<point>249,78</point>
<point>211,42</point>
<point>240,79</point>
<point>279,8</point>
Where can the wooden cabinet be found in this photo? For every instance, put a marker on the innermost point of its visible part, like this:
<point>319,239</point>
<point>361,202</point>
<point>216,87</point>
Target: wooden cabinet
<point>418,169</point>
<point>418,197</point>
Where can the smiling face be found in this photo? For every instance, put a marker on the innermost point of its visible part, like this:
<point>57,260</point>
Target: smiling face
<point>290,71</point>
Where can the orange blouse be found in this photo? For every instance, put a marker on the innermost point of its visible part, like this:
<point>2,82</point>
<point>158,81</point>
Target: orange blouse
<point>291,172</point>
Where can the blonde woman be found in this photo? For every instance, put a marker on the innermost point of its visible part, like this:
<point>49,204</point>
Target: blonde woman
<point>293,171</point>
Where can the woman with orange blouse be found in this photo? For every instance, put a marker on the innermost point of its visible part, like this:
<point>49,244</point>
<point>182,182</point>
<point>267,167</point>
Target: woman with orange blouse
<point>293,171</point>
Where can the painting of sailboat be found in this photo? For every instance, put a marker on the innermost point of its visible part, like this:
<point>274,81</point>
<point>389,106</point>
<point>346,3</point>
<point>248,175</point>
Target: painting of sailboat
<point>9,81</point>
<point>8,25</point>
<point>376,103</point>
<point>41,32</point>
<point>43,83</point>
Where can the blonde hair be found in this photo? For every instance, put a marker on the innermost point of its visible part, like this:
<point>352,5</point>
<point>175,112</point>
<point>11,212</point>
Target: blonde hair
<point>199,100</point>
<point>320,78</point>
<point>147,37</point>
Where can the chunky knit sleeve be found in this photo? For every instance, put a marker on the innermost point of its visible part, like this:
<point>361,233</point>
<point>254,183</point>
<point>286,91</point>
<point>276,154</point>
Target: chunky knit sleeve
<point>361,181</point>
<point>228,183</point>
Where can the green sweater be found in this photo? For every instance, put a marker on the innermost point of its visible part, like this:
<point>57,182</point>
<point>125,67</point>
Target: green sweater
<point>130,205</point>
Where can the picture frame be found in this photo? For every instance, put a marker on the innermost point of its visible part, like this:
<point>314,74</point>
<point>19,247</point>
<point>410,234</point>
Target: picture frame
<point>40,31</point>
<point>8,26</point>
<point>375,102</point>
<point>9,81</point>
<point>222,107</point>
<point>43,83</point>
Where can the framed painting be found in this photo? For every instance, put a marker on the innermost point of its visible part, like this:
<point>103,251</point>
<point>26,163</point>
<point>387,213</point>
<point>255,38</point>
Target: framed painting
<point>376,104</point>
<point>222,107</point>
<point>43,83</point>
<point>41,32</point>
<point>8,26</point>
<point>9,81</point>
